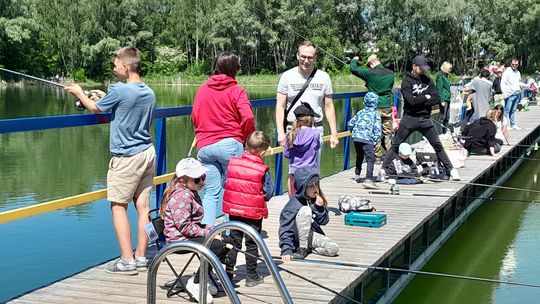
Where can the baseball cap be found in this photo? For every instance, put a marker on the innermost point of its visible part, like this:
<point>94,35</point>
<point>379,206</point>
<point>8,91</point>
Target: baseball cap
<point>405,149</point>
<point>422,62</point>
<point>305,109</point>
<point>371,58</point>
<point>190,167</point>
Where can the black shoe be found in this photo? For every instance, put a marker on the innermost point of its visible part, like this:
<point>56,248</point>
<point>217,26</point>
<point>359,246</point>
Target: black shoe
<point>301,253</point>
<point>254,280</point>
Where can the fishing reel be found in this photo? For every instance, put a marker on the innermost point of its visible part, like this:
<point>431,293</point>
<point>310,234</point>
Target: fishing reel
<point>394,190</point>
<point>92,93</point>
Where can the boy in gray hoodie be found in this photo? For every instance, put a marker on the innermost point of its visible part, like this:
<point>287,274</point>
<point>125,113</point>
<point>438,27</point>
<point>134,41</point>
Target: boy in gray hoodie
<point>302,217</point>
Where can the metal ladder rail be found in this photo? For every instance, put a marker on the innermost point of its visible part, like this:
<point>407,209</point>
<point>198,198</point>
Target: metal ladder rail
<point>205,255</point>
<point>234,225</point>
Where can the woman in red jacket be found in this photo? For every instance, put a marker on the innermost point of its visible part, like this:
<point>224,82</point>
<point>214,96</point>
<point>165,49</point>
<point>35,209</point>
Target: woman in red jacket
<point>223,120</point>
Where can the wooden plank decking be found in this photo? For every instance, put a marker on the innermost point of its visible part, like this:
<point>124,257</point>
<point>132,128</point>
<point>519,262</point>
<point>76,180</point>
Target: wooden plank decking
<point>358,245</point>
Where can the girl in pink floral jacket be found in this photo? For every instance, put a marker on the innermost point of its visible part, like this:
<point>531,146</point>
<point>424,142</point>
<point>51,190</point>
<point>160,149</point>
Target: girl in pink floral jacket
<point>182,211</point>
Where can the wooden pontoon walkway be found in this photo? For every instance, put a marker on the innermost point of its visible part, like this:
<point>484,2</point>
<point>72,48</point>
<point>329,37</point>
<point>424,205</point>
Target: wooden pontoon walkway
<point>358,245</point>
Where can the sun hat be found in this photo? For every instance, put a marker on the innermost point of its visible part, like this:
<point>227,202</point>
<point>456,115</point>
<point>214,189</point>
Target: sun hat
<point>405,149</point>
<point>190,167</point>
<point>305,110</point>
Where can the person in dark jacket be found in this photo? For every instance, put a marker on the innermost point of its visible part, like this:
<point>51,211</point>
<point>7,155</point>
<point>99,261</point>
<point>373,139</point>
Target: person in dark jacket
<point>302,217</point>
<point>419,95</point>
<point>481,136</point>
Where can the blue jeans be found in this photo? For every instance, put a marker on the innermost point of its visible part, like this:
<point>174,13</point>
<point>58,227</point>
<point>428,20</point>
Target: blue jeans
<point>216,158</point>
<point>510,106</point>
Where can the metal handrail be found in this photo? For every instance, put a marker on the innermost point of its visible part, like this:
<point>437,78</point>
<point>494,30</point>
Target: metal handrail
<point>205,255</point>
<point>233,225</point>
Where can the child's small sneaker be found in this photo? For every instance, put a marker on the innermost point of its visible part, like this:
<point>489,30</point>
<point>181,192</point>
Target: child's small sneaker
<point>122,266</point>
<point>142,263</point>
<point>193,290</point>
<point>254,280</point>
<point>369,184</point>
<point>517,128</point>
<point>357,178</point>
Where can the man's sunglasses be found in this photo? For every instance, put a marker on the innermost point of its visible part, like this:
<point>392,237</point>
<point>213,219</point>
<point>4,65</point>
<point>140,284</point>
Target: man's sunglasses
<point>199,179</point>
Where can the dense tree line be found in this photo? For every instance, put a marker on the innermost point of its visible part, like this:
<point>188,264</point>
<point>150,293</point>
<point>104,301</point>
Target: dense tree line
<point>77,37</point>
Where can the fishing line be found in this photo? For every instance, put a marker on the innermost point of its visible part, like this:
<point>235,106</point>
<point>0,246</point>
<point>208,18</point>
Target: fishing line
<point>351,300</point>
<point>286,26</point>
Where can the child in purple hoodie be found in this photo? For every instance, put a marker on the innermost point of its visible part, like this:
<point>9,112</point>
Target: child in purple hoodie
<point>303,143</point>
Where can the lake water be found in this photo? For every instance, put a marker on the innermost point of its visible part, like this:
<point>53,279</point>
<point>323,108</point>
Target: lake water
<point>500,240</point>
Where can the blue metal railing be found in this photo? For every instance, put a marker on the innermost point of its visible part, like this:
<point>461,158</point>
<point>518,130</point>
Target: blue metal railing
<point>160,116</point>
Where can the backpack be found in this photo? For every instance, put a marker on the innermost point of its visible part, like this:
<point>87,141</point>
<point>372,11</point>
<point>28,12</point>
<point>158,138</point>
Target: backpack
<point>347,203</point>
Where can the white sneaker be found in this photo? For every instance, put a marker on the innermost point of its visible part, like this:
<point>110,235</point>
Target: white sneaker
<point>454,175</point>
<point>193,290</point>
<point>517,128</point>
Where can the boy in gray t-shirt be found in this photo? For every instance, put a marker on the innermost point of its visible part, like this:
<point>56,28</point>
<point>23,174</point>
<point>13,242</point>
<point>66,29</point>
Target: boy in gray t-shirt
<point>132,165</point>
<point>482,95</point>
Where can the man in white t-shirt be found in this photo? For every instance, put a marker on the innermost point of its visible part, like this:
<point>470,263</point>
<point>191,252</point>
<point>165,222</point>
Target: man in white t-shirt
<point>511,89</point>
<point>318,94</point>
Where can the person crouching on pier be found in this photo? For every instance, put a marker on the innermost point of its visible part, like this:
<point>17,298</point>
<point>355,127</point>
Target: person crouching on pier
<point>303,143</point>
<point>247,189</point>
<point>481,135</point>
<point>182,212</point>
<point>366,133</point>
<point>302,217</point>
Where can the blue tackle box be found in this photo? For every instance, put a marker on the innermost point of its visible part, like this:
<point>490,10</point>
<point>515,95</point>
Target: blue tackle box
<point>364,219</point>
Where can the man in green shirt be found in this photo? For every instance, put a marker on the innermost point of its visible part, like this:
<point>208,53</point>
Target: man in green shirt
<point>380,81</point>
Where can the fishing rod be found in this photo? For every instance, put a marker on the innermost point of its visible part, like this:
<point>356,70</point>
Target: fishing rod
<point>505,156</point>
<point>491,198</point>
<point>78,104</point>
<point>299,35</point>
<point>35,78</point>
<point>407,271</point>
<point>380,268</point>
<point>349,299</point>
<point>489,186</point>
<point>462,183</point>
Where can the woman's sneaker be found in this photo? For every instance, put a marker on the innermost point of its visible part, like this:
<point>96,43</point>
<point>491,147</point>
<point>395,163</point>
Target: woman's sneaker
<point>193,290</point>
<point>142,263</point>
<point>122,266</point>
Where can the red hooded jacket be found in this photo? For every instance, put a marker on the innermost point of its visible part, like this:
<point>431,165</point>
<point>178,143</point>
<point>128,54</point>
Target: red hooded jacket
<point>221,109</point>
<point>244,195</point>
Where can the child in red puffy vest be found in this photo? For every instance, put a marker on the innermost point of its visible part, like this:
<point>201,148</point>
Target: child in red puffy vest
<point>247,189</point>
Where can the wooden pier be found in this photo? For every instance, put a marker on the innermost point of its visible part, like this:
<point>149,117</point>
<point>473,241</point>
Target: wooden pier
<point>359,245</point>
